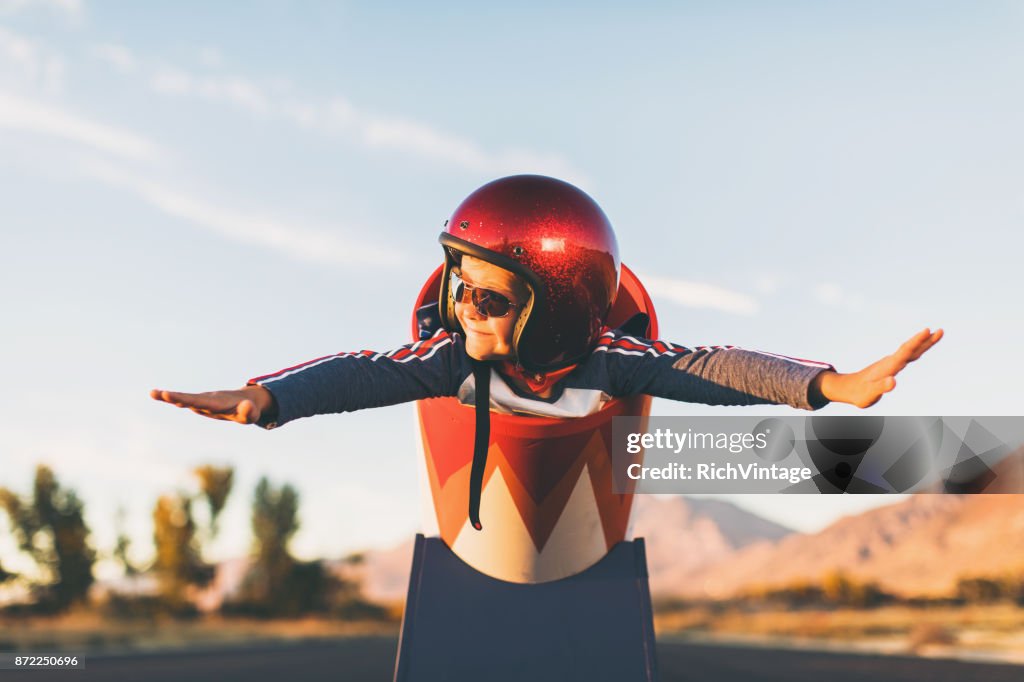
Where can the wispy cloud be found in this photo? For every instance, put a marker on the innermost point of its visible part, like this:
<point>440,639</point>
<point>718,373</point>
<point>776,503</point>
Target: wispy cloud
<point>331,245</point>
<point>243,93</point>
<point>423,140</point>
<point>831,294</point>
<point>117,56</point>
<point>699,295</point>
<point>337,117</point>
<point>29,116</point>
<point>25,60</point>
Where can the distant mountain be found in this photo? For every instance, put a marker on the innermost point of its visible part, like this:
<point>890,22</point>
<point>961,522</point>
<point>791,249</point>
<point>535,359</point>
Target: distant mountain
<point>683,535</point>
<point>920,546</point>
<point>916,547</point>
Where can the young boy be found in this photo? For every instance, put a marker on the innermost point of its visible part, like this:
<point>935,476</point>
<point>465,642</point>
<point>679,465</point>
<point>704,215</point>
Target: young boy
<point>531,273</point>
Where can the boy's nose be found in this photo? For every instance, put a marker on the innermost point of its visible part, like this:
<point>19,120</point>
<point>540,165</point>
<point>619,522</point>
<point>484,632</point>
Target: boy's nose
<point>470,311</point>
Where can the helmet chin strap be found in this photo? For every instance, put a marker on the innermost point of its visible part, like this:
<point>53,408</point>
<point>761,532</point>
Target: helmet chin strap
<point>481,437</point>
<point>482,407</point>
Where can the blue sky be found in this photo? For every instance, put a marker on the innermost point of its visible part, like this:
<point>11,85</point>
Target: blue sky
<point>195,194</point>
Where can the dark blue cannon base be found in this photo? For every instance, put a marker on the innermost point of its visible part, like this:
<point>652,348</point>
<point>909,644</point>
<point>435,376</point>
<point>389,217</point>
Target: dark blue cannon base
<point>461,625</point>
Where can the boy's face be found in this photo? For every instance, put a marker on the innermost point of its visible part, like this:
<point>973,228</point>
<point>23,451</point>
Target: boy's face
<point>489,338</point>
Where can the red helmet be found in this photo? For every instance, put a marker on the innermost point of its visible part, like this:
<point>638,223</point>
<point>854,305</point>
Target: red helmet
<point>559,241</point>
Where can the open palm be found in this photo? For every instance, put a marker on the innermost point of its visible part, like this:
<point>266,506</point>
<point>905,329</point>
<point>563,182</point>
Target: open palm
<point>242,406</point>
<point>866,387</point>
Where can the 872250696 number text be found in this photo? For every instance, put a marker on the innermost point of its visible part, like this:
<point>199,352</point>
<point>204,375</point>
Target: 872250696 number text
<point>10,661</point>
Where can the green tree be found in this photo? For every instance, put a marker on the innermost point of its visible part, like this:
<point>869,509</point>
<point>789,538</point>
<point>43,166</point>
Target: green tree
<point>277,584</point>
<point>123,544</point>
<point>215,484</point>
<point>179,565</point>
<point>179,539</point>
<point>50,527</point>
<point>839,588</point>
<point>274,523</point>
<point>988,589</point>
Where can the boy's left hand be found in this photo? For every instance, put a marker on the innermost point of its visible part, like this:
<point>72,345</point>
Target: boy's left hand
<point>866,387</point>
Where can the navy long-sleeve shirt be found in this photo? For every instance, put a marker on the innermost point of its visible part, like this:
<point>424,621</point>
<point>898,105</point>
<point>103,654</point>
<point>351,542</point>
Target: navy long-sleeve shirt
<point>618,365</point>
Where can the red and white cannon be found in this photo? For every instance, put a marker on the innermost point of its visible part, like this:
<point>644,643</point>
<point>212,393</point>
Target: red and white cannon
<point>547,497</point>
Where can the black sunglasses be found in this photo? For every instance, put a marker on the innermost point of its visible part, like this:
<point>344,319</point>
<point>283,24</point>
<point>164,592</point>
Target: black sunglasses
<point>488,303</point>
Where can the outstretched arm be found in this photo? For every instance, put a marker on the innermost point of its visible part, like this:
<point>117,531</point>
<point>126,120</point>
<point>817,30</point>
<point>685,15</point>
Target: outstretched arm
<point>713,375</point>
<point>866,387</point>
<point>334,383</point>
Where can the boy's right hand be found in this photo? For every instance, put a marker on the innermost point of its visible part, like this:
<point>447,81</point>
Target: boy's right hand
<point>244,405</point>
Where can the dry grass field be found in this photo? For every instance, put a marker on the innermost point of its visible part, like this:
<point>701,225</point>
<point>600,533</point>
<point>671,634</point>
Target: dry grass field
<point>87,631</point>
<point>991,631</point>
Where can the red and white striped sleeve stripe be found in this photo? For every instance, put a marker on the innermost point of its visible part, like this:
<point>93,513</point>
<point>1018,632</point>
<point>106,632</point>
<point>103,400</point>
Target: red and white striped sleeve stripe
<point>421,350</point>
<point>630,345</point>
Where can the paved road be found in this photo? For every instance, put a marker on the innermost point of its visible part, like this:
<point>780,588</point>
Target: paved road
<point>372,659</point>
